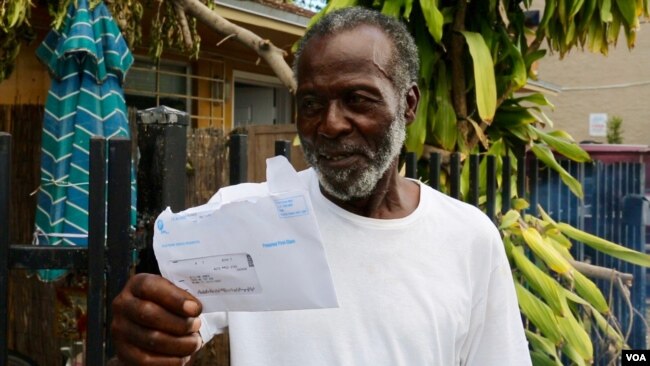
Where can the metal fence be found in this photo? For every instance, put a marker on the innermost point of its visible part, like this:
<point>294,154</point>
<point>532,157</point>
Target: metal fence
<point>106,260</point>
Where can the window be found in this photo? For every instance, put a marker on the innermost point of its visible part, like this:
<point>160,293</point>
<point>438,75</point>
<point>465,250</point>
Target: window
<point>173,84</point>
<point>260,100</point>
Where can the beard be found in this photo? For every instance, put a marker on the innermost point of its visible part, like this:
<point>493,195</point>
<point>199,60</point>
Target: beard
<point>358,182</point>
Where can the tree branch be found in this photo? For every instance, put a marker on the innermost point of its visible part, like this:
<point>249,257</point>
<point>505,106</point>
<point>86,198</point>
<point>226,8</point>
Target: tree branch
<point>456,48</point>
<point>459,98</point>
<point>273,55</point>
<point>602,273</point>
<point>185,28</point>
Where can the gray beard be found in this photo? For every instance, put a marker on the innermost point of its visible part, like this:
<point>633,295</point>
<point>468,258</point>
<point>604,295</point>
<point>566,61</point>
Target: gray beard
<point>347,184</point>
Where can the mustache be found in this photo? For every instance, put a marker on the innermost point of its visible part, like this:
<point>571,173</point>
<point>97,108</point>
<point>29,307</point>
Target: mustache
<point>330,147</point>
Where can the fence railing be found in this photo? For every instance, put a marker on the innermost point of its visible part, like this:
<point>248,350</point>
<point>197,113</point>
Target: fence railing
<point>107,259</point>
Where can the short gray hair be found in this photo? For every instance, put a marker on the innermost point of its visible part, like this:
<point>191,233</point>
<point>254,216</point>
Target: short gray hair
<point>404,63</point>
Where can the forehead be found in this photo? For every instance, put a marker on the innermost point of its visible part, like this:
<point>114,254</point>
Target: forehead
<point>360,48</point>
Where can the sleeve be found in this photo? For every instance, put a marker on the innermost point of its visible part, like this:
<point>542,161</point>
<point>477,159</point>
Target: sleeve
<point>212,324</point>
<point>496,335</point>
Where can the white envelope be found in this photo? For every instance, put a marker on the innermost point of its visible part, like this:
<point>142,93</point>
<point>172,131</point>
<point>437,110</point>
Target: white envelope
<point>254,247</point>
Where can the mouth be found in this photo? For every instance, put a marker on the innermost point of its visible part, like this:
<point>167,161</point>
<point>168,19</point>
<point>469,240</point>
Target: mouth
<point>336,157</point>
<point>340,159</point>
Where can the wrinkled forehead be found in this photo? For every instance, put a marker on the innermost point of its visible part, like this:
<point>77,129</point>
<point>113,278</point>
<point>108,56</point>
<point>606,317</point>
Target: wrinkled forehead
<point>363,46</point>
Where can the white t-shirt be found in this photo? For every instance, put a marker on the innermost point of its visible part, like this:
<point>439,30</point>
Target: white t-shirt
<point>432,288</point>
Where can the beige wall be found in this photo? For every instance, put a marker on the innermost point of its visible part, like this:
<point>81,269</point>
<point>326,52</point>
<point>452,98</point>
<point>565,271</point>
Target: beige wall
<point>583,69</point>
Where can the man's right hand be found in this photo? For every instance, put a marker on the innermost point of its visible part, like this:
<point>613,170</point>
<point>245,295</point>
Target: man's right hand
<point>155,322</point>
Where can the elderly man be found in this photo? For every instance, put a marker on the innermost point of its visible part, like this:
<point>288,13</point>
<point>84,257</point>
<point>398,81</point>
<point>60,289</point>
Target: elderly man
<point>422,279</point>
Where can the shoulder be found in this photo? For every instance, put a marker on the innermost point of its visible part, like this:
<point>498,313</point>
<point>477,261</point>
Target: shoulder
<point>455,212</point>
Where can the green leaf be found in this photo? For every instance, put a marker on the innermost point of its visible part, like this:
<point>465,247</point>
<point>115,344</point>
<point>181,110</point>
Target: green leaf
<point>392,8</point>
<point>509,219</point>
<point>569,149</point>
<point>573,355</point>
<point>433,17</point>
<point>549,289</point>
<point>549,12</point>
<point>606,11</point>
<point>590,292</point>
<point>576,336</point>
<point>542,359</point>
<point>546,156</point>
<point>408,6</point>
<point>628,11</point>
<point>428,58</point>
<point>605,246</point>
<point>542,344</point>
<point>536,98</point>
<point>538,313</point>
<point>416,132</point>
<point>445,131</point>
<point>545,251</point>
<point>513,116</point>
<point>519,74</point>
<point>485,84</point>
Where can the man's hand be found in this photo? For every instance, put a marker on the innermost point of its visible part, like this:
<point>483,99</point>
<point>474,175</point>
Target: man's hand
<point>155,322</point>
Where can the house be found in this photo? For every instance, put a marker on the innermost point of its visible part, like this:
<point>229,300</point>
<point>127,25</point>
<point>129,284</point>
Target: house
<point>226,87</point>
<point>591,84</point>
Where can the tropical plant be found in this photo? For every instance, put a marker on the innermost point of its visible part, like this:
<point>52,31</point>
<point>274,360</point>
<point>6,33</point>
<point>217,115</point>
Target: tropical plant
<point>615,130</point>
<point>475,56</point>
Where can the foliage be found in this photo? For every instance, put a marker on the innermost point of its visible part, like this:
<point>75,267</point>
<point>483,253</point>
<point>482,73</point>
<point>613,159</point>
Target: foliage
<point>475,55</point>
<point>615,130</point>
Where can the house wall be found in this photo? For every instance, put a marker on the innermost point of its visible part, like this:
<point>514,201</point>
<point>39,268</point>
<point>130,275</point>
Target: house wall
<point>29,82</point>
<point>617,84</point>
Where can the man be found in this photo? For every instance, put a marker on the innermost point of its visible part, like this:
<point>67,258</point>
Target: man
<point>422,279</point>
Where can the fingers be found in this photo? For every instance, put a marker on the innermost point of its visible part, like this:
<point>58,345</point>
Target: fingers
<point>151,315</point>
<point>137,357</point>
<point>163,344</point>
<point>166,294</point>
<point>155,322</point>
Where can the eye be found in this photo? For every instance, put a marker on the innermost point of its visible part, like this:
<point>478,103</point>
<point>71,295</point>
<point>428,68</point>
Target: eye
<point>310,105</point>
<point>356,98</point>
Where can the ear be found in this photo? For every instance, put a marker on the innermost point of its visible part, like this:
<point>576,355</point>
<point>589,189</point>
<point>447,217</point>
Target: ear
<point>412,99</point>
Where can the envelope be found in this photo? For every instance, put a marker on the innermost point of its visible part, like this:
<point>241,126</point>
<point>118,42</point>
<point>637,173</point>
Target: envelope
<point>253,247</point>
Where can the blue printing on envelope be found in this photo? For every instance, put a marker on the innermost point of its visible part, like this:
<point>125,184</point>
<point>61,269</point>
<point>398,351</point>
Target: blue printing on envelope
<point>291,206</point>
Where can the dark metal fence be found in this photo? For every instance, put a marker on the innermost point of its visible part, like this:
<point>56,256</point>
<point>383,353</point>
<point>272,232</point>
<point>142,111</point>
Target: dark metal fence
<point>107,258</point>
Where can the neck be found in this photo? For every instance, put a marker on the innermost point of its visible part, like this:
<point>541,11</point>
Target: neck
<point>393,197</point>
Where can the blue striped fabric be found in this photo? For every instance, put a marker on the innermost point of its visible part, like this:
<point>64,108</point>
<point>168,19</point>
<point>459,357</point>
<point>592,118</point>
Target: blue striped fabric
<point>88,60</point>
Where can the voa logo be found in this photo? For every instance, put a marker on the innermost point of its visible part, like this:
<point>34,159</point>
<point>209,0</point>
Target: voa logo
<point>635,357</point>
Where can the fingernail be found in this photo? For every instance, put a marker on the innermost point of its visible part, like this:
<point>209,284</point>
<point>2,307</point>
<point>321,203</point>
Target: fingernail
<point>196,325</point>
<point>190,307</point>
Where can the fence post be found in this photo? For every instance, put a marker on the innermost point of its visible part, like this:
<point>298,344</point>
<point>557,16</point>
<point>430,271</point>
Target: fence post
<point>96,331</point>
<point>635,209</point>
<point>491,186</point>
<point>506,172</point>
<point>454,175</point>
<point>411,164</point>
<point>473,179</point>
<point>283,147</point>
<point>434,171</point>
<point>118,222</point>
<point>238,159</point>
<point>5,196</point>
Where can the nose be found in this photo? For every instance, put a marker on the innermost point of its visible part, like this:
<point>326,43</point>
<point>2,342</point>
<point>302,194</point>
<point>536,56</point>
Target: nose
<point>335,122</point>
